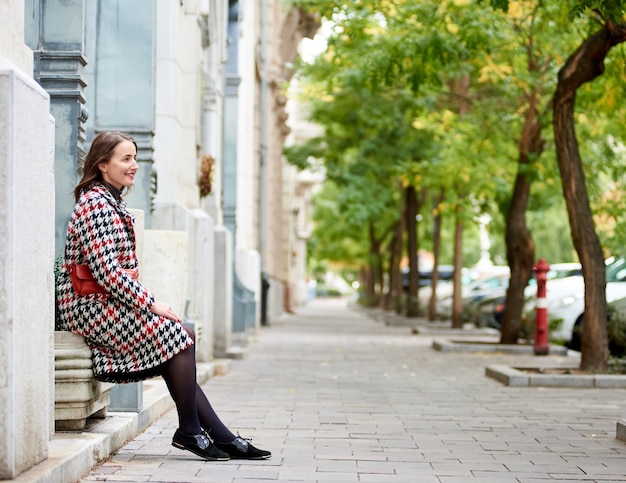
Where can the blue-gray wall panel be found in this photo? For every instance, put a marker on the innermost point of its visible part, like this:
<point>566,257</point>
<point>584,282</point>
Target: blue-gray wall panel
<point>125,52</point>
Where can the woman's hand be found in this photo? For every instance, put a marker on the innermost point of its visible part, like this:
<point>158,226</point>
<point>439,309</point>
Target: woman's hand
<point>164,310</point>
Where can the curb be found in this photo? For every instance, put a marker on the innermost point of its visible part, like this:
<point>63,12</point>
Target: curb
<point>510,376</point>
<point>485,346</point>
<point>71,455</point>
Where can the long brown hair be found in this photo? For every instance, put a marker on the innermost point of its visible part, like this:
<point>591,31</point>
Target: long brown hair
<point>101,151</point>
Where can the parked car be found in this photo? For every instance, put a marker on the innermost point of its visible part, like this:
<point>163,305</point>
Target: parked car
<point>445,285</point>
<point>489,310</point>
<point>478,285</point>
<point>446,272</point>
<point>566,302</point>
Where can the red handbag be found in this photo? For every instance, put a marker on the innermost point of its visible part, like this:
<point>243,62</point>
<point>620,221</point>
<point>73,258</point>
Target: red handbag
<point>84,283</point>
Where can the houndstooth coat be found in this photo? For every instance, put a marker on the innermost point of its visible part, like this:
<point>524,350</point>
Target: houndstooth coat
<point>125,338</point>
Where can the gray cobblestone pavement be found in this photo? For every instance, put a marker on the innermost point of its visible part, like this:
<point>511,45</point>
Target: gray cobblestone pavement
<point>339,397</point>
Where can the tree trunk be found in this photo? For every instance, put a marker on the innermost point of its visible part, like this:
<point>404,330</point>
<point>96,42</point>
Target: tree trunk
<point>395,277</point>
<point>457,291</point>
<point>387,300</point>
<point>584,65</point>
<point>520,248</point>
<point>375,266</point>
<point>432,303</point>
<point>460,87</point>
<point>368,286</point>
<point>411,227</point>
<point>380,279</point>
<point>397,248</point>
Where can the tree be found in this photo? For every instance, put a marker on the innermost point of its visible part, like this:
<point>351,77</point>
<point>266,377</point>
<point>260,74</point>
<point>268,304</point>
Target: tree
<point>527,24</point>
<point>584,65</point>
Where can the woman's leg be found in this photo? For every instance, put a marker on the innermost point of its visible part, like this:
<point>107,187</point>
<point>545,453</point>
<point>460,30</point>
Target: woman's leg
<point>209,418</point>
<point>179,374</point>
<point>195,411</point>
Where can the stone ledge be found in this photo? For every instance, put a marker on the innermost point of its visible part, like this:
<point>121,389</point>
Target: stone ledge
<point>445,345</point>
<point>511,376</point>
<point>232,353</point>
<point>71,455</point>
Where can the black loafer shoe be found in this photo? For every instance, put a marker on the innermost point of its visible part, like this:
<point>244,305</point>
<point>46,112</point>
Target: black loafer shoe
<point>241,449</point>
<point>199,444</point>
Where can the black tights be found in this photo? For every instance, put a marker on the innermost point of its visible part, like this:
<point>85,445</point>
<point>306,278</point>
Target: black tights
<point>194,410</point>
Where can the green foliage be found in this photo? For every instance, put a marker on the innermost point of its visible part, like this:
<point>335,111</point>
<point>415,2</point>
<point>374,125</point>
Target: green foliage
<point>433,94</point>
<point>58,264</point>
<point>324,291</point>
<point>611,10</point>
<point>337,236</point>
<point>497,4</point>
<point>305,156</point>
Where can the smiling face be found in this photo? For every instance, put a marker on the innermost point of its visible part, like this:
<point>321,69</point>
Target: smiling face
<point>120,169</point>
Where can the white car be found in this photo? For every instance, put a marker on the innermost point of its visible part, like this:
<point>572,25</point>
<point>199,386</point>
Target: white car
<point>566,301</point>
<point>474,285</point>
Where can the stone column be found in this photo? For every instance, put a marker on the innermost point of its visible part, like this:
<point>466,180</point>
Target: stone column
<point>26,268</point>
<point>201,280</point>
<point>230,122</point>
<point>55,30</point>
<point>244,306</point>
<point>223,308</point>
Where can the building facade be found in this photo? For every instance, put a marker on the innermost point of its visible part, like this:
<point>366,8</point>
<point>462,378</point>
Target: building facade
<point>200,84</point>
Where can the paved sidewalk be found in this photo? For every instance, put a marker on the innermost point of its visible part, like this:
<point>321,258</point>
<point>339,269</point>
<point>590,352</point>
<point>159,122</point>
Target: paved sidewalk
<point>339,397</point>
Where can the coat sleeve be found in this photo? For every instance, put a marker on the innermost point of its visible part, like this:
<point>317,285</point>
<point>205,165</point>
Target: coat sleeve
<point>100,232</point>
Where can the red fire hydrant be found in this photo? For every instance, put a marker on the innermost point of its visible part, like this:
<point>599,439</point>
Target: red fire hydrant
<point>542,345</point>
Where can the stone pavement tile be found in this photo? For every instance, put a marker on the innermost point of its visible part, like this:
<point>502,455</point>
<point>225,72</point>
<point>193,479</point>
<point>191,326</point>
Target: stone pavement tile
<point>523,476</point>
<point>337,477</point>
<point>532,479</point>
<point>299,474</point>
<point>411,468</point>
<point>579,478</point>
<point>503,438</point>
<point>555,468</point>
<point>244,472</point>
<point>380,467</point>
<point>336,466</point>
<point>483,478</point>
<point>595,468</point>
<point>471,466</point>
<point>441,473</point>
<point>606,460</point>
<point>116,479</point>
<point>399,455</point>
<point>373,478</point>
<point>396,443</point>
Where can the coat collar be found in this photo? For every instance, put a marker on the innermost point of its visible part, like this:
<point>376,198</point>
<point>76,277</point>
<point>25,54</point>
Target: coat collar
<point>105,192</point>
